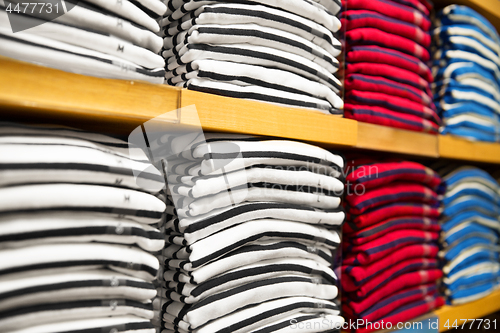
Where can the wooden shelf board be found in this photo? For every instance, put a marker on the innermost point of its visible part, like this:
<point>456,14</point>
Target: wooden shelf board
<point>380,138</point>
<point>490,9</point>
<point>461,149</point>
<point>218,113</point>
<point>477,309</point>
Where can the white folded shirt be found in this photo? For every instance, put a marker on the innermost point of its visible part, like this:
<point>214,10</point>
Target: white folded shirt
<point>72,287</point>
<point>33,260</point>
<point>75,59</point>
<point>115,202</point>
<point>227,34</point>
<point>235,13</point>
<point>308,9</point>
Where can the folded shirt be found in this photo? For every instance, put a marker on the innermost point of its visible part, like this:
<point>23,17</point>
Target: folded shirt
<point>265,313</point>
<point>469,45</point>
<point>471,203</point>
<point>422,5</point>
<point>215,246</point>
<point>226,34</point>
<point>112,201</point>
<point>359,302</point>
<point>447,57</point>
<point>72,286</point>
<point>473,84</point>
<point>85,16</point>
<point>391,102</point>
<point>373,232</point>
<point>390,72</point>
<point>104,43</point>
<point>353,19</point>
<point>196,228</point>
<point>373,36</point>
<point>364,254</point>
<point>265,269</point>
<point>397,191</point>
<point>247,255</point>
<point>473,293</point>
<point>311,10</point>
<point>236,13</point>
<point>444,32</point>
<point>49,228</point>
<point>123,323</point>
<point>392,9</point>
<point>377,54</point>
<point>468,217</point>
<point>465,70</point>
<point>59,160</point>
<point>47,258</point>
<point>130,11</point>
<point>397,300</point>
<point>376,84</point>
<point>273,95</point>
<point>237,298</point>
<point>407,312</point>
<point>383,173</point>
<point>454,14</point>
<point>382,116</point>
<point>359,274</point>
<point>471,134</point>
<point>405,266</point>
<point>29,316</point>
<point>40,50</point>
<point>464,231</point>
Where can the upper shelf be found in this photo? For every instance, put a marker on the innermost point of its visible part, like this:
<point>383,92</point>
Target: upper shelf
<point>32,93</point>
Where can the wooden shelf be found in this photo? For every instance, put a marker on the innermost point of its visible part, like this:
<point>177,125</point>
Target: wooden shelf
<point>477,309</point>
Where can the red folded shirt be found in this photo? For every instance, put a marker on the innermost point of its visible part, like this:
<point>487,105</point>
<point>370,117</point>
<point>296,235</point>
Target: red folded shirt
<point>383,173</point>
<point>391,9</point>
<point>394,192</point>
<point>359,274</point>
<point>360,302</point>
<point>393,302</point>
<point>353,19</point>
<point>382,85</point>
<point>385,276</point>
<point>390,102</point>
<point>355,222</point>
<point>373,36</point>
<point>390,72</point>
<point>407,312</point>
<point>385,117</point>
<point>417,4</point>
<point>384,55</point>
<point>397,223</point>
<point>386,246</point>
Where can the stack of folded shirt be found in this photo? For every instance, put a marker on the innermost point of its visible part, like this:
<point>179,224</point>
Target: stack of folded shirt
<point>466,89</point>
<point>470,235</point>
<point>390,266</point>
<point>386,77</point>
<point>111,39</point>
<point>253,236</point>
<point>77,232</point>
<point>279,51</point>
